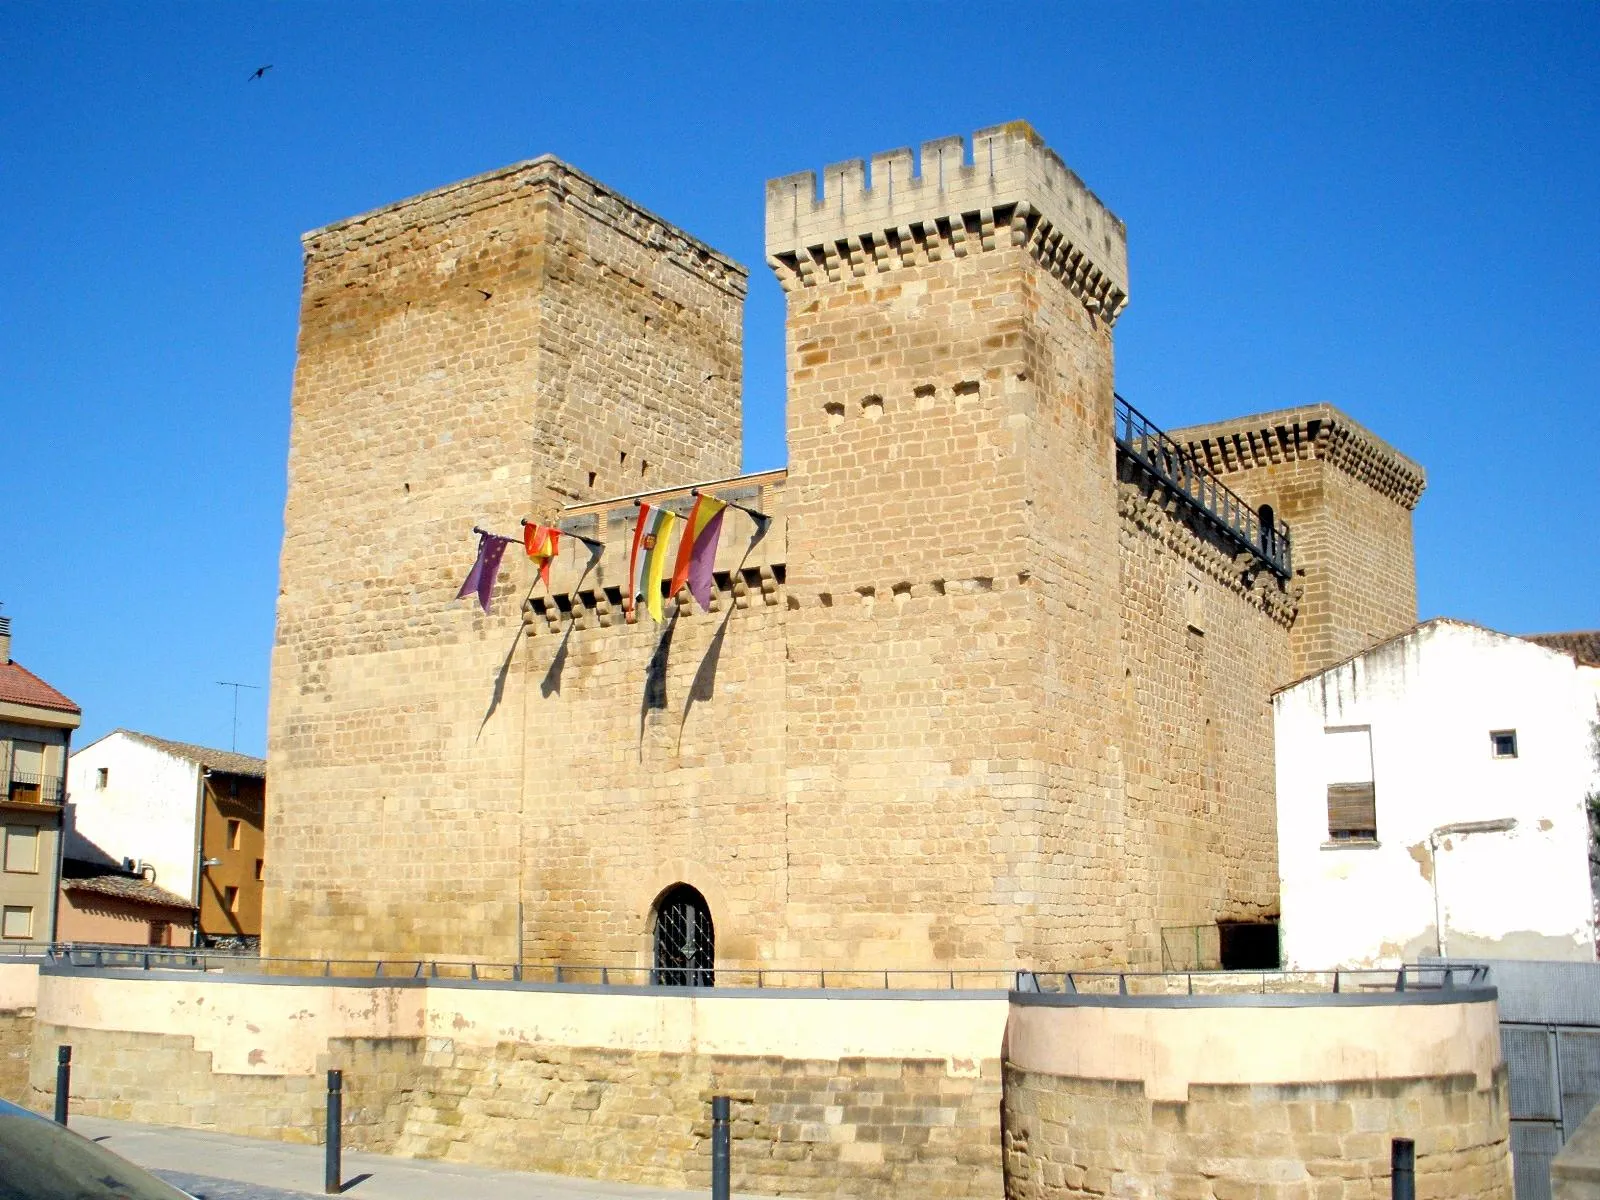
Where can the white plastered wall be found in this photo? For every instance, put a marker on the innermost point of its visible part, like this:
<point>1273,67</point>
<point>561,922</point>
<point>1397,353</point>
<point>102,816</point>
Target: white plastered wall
<point>146,811</point>
<point>1431,700</point>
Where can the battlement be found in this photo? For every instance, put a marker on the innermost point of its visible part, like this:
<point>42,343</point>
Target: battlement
<point>1004,188</point>
<point>1313,431</point>
<point>509,184</point>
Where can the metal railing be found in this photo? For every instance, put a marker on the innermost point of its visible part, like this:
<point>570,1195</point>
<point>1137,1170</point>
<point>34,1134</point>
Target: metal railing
<point>44,789</point>
<point>1181,473</point>
<point>161,958</point>
<point>1410,978</point>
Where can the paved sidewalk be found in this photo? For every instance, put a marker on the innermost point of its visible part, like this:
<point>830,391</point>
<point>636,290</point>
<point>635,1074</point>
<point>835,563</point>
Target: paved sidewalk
<point>217,1164</point>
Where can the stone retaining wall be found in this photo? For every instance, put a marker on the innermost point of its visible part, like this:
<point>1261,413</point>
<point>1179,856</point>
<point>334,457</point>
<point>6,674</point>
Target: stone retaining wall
<point>834,1094</point>
<point>16,1041</point>
<point>1330,1141</point>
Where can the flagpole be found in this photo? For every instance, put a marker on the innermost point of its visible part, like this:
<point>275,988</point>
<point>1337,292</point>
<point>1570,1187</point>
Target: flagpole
<point>749,512</point>
<point>590,542</point>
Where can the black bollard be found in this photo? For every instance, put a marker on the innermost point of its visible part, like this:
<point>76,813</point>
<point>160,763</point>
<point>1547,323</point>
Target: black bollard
<point>63,1081</point>
<point>719,1148</point>
<point>331,1182</point>
<point>1403,1169</point>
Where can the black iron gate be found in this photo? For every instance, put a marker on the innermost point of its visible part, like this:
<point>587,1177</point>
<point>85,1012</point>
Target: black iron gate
<point>685,940</point>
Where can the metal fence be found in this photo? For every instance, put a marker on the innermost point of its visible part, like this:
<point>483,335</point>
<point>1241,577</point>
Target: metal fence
<point>1425,977</point>
<point>1550,1038</point>
<point>154,958</point>
<point>1181,473</point>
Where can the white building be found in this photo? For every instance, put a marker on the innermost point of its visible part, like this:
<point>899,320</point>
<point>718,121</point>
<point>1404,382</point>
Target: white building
<point>1431,801</point>
<point>189,816</point>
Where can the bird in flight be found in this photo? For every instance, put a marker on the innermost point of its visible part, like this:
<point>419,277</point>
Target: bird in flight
<point>258,73</point>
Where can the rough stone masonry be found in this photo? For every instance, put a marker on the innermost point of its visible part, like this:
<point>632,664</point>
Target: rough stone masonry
<point>983,694</point>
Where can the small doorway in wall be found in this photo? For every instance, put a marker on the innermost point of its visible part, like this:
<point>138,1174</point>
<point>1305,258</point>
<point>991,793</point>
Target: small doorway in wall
<point>685,939</point>
<point>1248,945</point>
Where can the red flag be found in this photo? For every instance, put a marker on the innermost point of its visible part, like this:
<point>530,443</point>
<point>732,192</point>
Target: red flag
<point>542,544</point>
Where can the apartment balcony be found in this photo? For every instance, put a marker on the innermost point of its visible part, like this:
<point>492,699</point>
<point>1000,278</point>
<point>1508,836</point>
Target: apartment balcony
<point>43,791</point>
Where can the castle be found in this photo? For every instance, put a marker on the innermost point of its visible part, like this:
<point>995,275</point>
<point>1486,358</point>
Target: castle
<point>991,689</point>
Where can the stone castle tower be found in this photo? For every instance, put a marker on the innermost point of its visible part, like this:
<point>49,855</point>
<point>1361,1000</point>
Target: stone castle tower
<point>993,688</point>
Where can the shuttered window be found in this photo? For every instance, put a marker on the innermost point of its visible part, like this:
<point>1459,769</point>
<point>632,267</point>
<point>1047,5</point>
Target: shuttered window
<point>1352,801</point>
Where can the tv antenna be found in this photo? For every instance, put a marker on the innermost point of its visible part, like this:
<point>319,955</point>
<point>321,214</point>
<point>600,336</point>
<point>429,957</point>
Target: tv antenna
<point>234,745</point>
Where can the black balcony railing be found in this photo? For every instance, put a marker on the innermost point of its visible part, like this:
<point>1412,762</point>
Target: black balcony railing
<point>28,788</point>
<point>1183,475</point>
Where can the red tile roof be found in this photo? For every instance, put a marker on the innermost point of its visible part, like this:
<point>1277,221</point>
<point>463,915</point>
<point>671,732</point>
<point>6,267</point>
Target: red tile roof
<point>1582,644</point>
<point>18,685</point>
<point>127,887</point>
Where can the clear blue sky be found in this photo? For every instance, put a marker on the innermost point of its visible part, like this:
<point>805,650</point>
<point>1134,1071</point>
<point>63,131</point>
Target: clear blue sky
<point>1395,210</point>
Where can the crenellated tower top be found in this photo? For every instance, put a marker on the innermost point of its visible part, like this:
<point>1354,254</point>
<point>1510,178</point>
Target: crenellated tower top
<point>1005,188</point>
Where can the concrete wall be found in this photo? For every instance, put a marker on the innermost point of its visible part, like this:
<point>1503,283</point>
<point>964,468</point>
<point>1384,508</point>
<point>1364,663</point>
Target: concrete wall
<point>146,811</point>
<point>36,889</point>
<point>242,799</point>
<point>1212,1102</point>
<point>1431,700</point>
<point>93,918</point>
<point>869,1095</point>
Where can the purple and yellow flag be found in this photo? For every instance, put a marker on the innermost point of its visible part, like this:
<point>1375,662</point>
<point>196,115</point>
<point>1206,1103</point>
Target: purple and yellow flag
<point>481,578</point>
<point>648,559</point>
<point>697,550</point>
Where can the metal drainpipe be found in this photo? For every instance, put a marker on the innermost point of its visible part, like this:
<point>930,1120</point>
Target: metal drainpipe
<point>199,848</point>
<point>1438,912</point>
<point>61,842</point>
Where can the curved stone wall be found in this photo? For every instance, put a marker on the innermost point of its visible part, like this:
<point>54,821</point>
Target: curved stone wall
<point>1275,1097</point>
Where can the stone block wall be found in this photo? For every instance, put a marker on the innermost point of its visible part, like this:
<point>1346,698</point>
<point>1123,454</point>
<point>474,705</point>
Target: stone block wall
<point>480,354</point>
<point>849,1127</point>
<point>1348,497</point>
<point>16,1045</point>
<point>1269,1087</point>
<point>837,1094</point>
<point>976,700</point>
<point>1204,639</point>
<point>1329,1141</point>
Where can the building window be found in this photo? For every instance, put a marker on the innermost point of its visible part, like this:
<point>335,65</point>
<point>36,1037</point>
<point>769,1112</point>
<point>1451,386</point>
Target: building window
<point>102,777</point>
<point>1352,801</point>
<point>28,784</point>
<point>1503,743</point>
<point>16,922</point>
<point>685,943</point>
<point>235,833</point>
<point>230,899</point>
<point>22,850</point>
<point>160,933</point>
<point>260,871</point>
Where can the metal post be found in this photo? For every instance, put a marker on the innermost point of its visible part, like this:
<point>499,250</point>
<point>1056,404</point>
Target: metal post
<point>1403,1169</point>
<point>63,1081</point>
<point>719,1148</point>
<point>331,1183</point>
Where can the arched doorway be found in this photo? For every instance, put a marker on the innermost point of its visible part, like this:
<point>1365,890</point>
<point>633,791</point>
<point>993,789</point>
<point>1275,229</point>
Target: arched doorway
<point>685,941</point>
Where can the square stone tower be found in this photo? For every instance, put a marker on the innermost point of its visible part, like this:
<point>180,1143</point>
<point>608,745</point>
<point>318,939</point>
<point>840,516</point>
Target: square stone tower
<point>953,553</point>
<point>1348,496</point>
<point>483,352</point>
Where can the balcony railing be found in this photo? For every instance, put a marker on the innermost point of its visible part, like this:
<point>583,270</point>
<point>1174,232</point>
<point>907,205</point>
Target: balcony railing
<point>1183,475</point>
<point>28,788</point>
